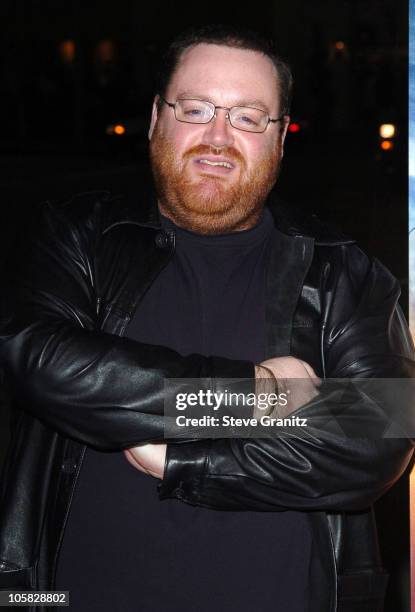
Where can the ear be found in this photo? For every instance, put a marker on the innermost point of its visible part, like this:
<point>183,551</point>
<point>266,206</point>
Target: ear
<point>284,129</point>
<point>154,116</point>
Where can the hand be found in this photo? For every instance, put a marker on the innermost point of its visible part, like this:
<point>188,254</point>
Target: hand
<point>148,458</point>
<point>282,369</point>
<point>288,367</point>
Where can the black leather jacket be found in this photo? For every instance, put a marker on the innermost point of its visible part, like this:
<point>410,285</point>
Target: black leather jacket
<point>77,381</point>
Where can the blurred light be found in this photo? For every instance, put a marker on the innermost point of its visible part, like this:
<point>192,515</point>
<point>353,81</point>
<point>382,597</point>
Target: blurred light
<point>67,50</point>
<point>387,130</point>
<point>294,127</point>
<point>386,145</point>
<point>105,51</point>
<point>119,129</point>
<point>340,46</point>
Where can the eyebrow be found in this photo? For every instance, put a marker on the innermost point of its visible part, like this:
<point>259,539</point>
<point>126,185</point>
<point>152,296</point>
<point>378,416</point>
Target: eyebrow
<point>255,103</point>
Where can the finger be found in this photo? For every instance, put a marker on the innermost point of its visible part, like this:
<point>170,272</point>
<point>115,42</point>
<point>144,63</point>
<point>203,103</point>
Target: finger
<point>132,460</point>
<point>311,373</point>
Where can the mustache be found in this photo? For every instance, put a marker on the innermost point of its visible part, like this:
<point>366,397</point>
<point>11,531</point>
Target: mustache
<point>229,152</point>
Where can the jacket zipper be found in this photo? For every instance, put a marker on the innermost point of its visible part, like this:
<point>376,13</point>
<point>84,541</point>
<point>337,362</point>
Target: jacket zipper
<point>65,520</point>
<point>326,309</point>
<point>333,555</point>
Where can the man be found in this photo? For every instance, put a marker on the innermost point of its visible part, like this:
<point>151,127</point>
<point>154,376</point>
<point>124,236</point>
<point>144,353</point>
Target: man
<point>111,300</point>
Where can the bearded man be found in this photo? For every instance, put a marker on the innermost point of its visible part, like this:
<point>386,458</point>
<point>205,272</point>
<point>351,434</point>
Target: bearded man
<point>215,282</point>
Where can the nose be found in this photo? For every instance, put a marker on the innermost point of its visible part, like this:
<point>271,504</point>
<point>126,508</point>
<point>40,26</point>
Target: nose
<point>219,131</point>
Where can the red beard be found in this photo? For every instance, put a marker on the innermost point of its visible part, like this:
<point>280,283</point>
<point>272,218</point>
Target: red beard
<point>210,204</point>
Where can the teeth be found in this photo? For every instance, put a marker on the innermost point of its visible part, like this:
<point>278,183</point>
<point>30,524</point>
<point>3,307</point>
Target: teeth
<point>210,163</point>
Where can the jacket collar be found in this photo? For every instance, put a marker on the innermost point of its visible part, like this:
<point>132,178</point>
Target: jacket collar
<point>290,220</point>
<point>295,221</point>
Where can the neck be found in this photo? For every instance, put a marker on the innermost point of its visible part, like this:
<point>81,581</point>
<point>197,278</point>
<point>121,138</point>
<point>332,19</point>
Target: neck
<point>205,223</point>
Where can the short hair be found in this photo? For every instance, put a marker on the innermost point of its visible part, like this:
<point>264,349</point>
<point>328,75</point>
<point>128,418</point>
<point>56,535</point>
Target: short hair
<point>229,36</point>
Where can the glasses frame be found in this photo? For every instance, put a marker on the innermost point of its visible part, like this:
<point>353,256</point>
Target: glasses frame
<point>228,114</point>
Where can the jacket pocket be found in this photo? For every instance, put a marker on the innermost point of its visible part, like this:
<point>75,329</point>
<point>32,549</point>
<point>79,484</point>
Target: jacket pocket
<point>362,591</point>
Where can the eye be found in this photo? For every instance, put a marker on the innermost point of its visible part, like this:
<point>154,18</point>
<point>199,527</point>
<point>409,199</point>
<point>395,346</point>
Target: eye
<point>247,119</point>
<point>193,112</point>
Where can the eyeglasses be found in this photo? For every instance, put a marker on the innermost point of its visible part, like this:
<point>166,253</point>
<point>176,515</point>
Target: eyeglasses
<point>243,118</point>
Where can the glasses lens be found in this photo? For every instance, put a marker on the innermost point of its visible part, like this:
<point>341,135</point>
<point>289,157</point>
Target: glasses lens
<point>248,119</point>
<point>194,111</point>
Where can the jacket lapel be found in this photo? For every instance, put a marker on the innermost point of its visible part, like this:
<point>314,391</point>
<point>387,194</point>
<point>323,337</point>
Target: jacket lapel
<point>288,264</point>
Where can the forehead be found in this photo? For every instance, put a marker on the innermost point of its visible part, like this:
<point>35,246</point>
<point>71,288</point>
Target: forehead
<point>225,75</point>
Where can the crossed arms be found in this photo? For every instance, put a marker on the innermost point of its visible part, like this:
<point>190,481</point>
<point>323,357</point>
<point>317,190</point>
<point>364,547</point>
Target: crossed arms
<point>107,391</point>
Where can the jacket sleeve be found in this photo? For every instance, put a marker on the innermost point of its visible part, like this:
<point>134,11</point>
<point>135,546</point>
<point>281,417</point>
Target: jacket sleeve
<point>321,468</point>
<point>95,387</point>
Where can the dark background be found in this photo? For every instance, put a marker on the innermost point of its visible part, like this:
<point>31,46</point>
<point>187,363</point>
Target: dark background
<point>69,70</point>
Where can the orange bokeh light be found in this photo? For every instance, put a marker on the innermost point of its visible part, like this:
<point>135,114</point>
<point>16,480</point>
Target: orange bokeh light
<point>105,51</point>
<point>67,51</point>
<point>340,46</point>
<point>386,145</point>
<point>119,129</point>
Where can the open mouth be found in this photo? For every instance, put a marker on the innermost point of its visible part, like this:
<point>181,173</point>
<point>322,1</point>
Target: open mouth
<point>215,165</point>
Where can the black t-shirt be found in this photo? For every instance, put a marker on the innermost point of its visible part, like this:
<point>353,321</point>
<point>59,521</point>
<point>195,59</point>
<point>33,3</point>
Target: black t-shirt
<point>124,549</point>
